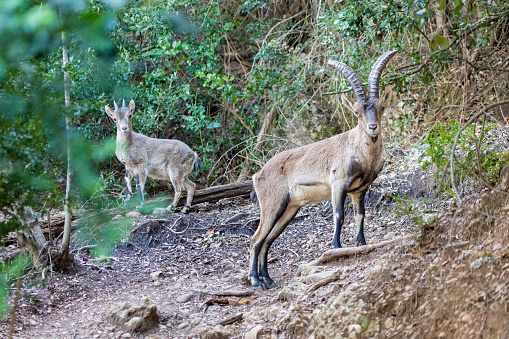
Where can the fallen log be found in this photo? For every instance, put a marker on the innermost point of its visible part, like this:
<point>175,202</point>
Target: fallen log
<point>210,194</point>
<point>213,194</point>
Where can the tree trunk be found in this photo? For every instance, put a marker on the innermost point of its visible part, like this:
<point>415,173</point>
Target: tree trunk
<point>32,237</point>
<point>64,249</point>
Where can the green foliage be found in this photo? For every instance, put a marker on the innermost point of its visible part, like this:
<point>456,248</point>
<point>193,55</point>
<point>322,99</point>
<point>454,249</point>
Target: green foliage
<point>472,158</point>
<point>9,272</point>
<point>407,207</point>
<point>102,233</point>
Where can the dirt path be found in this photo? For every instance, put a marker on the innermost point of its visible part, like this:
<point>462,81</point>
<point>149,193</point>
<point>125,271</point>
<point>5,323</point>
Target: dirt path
<point>210,256</point>
<point>433,283</point>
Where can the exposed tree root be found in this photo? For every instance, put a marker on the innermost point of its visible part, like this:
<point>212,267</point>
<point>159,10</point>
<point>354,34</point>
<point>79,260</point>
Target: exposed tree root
<point>337,253</point>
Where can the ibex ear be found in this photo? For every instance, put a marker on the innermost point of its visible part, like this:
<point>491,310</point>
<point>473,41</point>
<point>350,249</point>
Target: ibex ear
<point>131,105</point>
<point>349,104</point>
<point>387,96</point>
<point>109,111</point>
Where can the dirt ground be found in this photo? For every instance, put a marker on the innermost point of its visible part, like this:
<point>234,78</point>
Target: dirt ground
<point>441,279</point>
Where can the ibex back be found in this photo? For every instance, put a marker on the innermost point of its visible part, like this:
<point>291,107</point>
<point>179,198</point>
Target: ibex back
<point>143,157</point>
<point>345,163</point>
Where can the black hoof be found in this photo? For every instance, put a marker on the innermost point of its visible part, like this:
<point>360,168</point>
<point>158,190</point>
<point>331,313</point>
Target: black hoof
<point>360,243</point>
<point>256,283</point>
<point>269,283</point>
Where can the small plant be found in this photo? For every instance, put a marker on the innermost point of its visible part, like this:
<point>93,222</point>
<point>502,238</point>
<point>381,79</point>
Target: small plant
<point>408,207</point>
<point>473,158</point>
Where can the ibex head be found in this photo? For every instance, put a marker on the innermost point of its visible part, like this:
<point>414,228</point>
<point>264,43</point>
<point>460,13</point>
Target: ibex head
<point>121,116</point>
<point>369,110</point>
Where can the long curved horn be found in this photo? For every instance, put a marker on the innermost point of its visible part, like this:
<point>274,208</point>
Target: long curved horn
<point>115,103</point>
<point>352,78</point>
<point>376,73</point>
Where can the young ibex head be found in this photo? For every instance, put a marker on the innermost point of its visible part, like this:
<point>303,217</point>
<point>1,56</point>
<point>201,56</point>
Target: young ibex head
<point>368,110</point>
<point>122,116</point>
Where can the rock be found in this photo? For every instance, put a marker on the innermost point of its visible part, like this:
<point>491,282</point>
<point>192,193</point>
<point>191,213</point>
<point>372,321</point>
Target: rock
<point>390,235</point>
<point>218,332</point>
<point>33,322</point>
<point>504,178</point>
<point>363,321</point>
<point>133,214</point>
<point>389,323</point>
<point>356,328</point>
<point>156,275</point>
<point>292,291</point>
<point>466,318</point>
<point>195,321</point>
<point>117,217</point>
<point>134,324</point>
<point>139,318</point>
<point>312,278</point>
<point>374,271</point>
<point>184,298</point>
<point>254,333</point>
<point>242,278</point>
<point>183,325</point>
<point>126,335</point>
<point>159,211</point>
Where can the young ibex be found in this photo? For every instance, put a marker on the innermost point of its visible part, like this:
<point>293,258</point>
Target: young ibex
<point>143,157</point>
<point>345,163</point>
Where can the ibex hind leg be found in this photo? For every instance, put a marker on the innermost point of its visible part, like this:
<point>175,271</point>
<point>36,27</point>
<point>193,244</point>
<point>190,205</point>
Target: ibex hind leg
<point>269,214</point>
<point>190,188</point>
<point>176,182</point>
<point>278,228</point>
<point>267,222</point>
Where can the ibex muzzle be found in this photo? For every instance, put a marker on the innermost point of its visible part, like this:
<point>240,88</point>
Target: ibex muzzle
<point>143,157</point>
<point>343,164</point>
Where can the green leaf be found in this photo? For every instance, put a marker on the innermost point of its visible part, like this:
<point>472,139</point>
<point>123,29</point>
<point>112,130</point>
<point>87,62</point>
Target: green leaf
<point>442,5</point>
<point>442,41</point>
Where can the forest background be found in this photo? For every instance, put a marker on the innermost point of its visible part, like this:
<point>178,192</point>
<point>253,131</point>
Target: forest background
<point>238,81</point>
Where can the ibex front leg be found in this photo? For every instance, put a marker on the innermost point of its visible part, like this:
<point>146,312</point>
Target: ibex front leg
<point>338,206</point>
<point>358,205</point>
<point>129,192</point>
<point>140,187</point>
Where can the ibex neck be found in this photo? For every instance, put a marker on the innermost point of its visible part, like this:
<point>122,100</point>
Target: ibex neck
<point>124,139</point>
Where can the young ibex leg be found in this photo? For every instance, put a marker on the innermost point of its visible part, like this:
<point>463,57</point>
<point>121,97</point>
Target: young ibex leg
<point>140,187</point>
<point>129,192</point>
<point>358,205</point>
<point>338,207</point>
<point>190,188</point>
<point>177,184</point>
<point>279,227</point>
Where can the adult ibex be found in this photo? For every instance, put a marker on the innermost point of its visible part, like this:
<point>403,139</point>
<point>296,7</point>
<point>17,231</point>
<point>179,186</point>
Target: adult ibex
<point>143,157</point>
<point>345,163</point>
